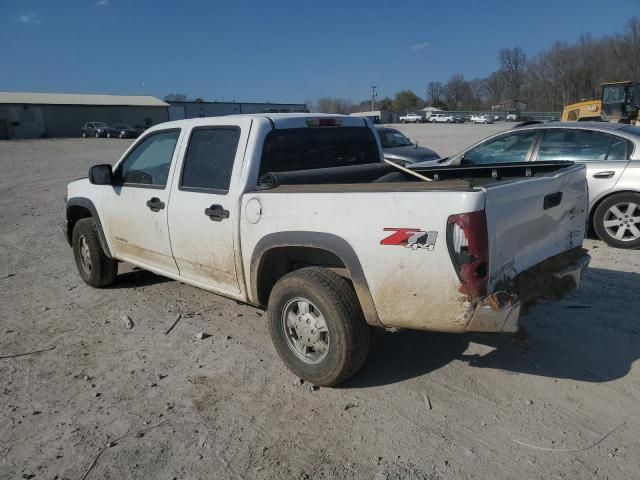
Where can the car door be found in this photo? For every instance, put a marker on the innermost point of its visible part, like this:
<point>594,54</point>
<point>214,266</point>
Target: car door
<point>605,155</point>
<point>135,207</point>
<point>508,147</point>
<point>205,205</point>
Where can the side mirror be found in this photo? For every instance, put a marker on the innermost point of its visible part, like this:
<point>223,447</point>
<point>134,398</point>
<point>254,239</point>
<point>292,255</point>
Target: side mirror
<point>101,174</point>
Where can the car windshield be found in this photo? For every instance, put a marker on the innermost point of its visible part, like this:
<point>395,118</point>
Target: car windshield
<point>100,124</point>
<point>390,138</point>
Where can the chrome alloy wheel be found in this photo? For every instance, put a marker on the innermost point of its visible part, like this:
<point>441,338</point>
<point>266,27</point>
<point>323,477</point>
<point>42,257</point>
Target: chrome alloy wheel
<point>622,221</point>
<point>306,330</point>
<point>85,255</point>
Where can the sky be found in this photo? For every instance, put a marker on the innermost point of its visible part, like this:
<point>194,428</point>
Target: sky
<point>278,51</point>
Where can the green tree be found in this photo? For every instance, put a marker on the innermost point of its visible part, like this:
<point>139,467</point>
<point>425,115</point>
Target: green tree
<point>406,100</point>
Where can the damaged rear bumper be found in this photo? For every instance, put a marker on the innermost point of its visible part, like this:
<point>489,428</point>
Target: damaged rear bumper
<point>550,280</point>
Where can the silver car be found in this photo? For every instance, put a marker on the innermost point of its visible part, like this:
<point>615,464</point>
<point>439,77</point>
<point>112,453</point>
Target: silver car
<point>610,151</point>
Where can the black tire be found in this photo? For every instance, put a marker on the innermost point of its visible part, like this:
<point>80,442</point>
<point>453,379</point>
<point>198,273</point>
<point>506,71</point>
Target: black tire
<point>99,271</point>
<point>348,332</point>
<point>97,135</point>
<point>84,134</point>
<point>120,136</point>
<point>108,134</point>
<point>602,214</point>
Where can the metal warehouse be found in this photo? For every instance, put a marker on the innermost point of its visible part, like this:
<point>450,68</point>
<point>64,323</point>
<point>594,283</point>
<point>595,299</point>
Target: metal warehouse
<point>180,110</point>
<point>42,115</point>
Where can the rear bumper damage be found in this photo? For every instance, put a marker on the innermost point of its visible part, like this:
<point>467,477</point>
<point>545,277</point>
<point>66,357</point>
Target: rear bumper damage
<point>549,280</point>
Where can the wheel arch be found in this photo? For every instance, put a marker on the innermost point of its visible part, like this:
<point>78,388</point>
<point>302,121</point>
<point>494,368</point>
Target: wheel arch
<point>277,254</point>
<point>79,208</point>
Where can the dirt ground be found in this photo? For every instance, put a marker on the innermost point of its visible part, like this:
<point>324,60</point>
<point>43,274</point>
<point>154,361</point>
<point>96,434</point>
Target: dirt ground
<point>121,402</point>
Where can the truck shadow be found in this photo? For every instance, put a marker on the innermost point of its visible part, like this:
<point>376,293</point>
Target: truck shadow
<point>593,335</point>
<point>137,278</point>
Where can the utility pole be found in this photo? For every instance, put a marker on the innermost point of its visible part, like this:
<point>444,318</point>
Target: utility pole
<point>374,94</point>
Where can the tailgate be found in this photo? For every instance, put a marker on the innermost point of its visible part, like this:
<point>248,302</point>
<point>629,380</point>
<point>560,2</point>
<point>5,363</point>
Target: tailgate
<point>532,219</point>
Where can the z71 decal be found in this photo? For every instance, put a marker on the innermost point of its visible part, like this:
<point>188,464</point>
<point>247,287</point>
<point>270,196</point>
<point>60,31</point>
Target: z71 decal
<point>411,238</point>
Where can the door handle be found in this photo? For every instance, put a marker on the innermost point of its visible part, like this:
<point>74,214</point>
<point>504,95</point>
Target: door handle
<point>216,213</point>
<point>154,204</point>
<point>607,174</point>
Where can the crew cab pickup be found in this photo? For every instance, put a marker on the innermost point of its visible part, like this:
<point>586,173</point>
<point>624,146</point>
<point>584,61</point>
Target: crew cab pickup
<point>298,214</point>
<point>411,118</point>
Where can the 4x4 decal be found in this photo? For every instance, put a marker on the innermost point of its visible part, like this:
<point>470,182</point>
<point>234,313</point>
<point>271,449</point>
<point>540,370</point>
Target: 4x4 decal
<point>411,238</point>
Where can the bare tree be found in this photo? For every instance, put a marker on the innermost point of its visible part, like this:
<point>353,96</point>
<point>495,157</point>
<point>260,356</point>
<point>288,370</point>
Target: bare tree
<point>513,61</point>
<point>333,105</point>
<point>496,83</point>
<point>478,91</point>
<point>457,92</point>
<point>627,49</point>
<point>434,93</point>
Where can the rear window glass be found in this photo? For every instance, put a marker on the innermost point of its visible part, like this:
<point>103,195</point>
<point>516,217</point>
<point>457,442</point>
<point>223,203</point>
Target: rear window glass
<point>307,148</point>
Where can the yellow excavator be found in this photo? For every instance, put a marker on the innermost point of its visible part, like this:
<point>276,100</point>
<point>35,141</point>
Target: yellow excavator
<point>619,103</point>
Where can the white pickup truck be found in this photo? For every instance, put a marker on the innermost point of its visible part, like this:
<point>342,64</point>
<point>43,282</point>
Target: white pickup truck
<point>411,118</point>
<point>298,214</point>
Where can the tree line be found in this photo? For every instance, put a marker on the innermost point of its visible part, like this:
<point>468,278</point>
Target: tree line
<point>565,73</point>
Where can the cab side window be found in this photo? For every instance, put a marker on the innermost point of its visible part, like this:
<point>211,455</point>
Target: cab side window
<point>209,159</point>
<point>149,162</point>
<point>511,147</point>
<point>581,146</point>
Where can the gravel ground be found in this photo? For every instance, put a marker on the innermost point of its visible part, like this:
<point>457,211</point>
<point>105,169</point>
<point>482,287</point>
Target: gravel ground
<point>447,139</point>
<point>120,402</point>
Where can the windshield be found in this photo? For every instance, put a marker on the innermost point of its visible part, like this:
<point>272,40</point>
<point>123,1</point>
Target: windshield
<point>101,124</point>
<point>390,138</point>
<point>613,94</point>
<point>292,149</point>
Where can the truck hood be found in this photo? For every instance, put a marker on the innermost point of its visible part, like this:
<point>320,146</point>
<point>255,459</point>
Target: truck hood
<point>410,154</point>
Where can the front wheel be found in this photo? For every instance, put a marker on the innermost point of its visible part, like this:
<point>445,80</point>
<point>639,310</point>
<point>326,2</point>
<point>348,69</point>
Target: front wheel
<point>108,134</point>
<point>617,220</point>
<point>97,135</point>
<point>84,134</point>
<point>95,268</point>
<point>317,326</point>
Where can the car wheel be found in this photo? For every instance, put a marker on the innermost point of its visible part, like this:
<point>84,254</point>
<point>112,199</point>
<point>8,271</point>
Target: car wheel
<point>317,326</point>
<point>84,134</point>
<point>97,135</point>
<point>617,220</point>
<point>120,136</point>
<point>108,134</point>
<point>95,268</point>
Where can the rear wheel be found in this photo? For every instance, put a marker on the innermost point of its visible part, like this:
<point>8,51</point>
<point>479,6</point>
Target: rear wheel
<point>617,220</point>
<point>317,326</point>
<point>97,135</point>
<point>84,134</point>
<point>95,268</point>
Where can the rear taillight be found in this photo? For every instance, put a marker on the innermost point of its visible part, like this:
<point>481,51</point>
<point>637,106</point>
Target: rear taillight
<point>468,246</point>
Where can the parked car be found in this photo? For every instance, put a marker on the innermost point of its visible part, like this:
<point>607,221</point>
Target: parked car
<point>459,119</point>
<point>259,210</point>
<point>399,149</point>
<point>485,119</point>
<point>411,118</point>
<point>94,129</point>
<point>610,151</point>
<point>122,130</point>
<point>441,118</point>
<point>511,117</point>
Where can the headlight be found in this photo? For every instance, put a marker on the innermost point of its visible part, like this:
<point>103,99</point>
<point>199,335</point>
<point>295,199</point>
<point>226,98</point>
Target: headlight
<point>123,132</point>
